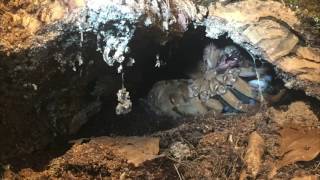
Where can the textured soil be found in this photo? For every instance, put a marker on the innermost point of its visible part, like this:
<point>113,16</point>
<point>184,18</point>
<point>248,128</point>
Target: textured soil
<point>207,148</point>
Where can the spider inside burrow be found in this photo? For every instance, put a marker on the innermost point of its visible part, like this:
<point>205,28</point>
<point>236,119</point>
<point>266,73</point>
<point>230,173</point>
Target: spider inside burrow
<point>225,81</point>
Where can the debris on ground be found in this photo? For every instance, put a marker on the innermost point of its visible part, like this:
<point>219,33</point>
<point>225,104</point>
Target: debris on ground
<point>297,145</point>
<point>180,151</point>
<point>135,150</point>
<point>306,178</point>
<point>201,148</point>
<point>253,156</point>
<point>298,113</point>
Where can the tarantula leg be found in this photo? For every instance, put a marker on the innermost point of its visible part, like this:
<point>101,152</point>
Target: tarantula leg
<point>195,87</point>
<point>244,88</point>
<point>233,101</point>
<point>248,72</point>
<point>204,91</point>
<point>231,78</point>
<point>215,105</point>
<point>209,75</point>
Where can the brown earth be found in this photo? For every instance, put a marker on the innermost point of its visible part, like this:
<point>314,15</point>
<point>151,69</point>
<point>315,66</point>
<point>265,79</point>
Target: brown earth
<point>207,148</point>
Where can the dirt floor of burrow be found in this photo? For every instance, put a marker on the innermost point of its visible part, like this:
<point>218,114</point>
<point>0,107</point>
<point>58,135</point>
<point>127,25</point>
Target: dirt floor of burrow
<point>199,148</point>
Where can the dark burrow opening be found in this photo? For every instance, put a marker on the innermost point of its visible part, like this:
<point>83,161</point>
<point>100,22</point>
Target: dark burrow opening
<point>179,58</point>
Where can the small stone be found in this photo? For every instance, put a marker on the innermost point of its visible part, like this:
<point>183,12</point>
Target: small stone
<point>180,151</point>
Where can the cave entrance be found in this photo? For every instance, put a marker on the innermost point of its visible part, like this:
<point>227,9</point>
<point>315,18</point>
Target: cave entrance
<point>178,58</point>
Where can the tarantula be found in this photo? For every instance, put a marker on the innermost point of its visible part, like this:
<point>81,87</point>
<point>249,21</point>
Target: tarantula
<point>225,80</point>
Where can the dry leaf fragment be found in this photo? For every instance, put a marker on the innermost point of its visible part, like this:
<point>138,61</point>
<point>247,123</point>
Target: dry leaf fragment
<point>297,145</point>
<point>253,157</point>
<point>136,150</point>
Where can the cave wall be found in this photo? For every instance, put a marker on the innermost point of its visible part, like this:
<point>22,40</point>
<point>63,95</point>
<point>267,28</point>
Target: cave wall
<point>47,93</point>
<point>273,32</point>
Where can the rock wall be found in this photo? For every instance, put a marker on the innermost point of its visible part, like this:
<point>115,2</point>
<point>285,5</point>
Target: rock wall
<point>268,29</point>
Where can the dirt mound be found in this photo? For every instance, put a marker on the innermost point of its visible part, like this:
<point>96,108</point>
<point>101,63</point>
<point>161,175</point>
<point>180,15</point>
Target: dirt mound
<point>201,148</point>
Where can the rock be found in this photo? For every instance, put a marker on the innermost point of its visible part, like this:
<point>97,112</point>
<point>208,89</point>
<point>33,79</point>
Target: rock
<point>251,11</point>
<point>268,29</point>
<point>302,70</point>
<point>181,151</point>
<point>276,43</point>
<point>309,53</point>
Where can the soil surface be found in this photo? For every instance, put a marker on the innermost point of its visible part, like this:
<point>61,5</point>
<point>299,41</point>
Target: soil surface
<point>197,148</point>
